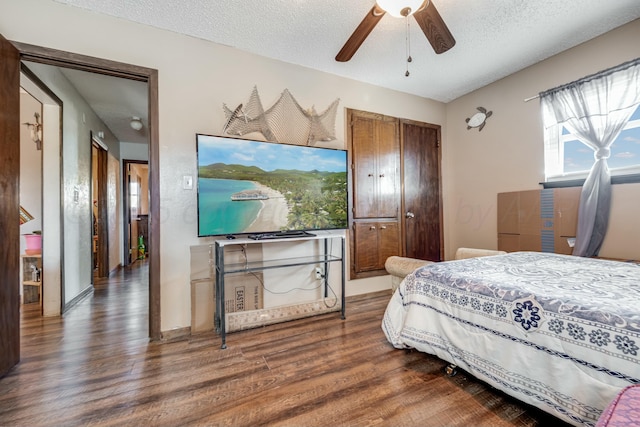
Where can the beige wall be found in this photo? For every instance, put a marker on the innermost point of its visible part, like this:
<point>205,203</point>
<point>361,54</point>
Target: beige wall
<point>507,155</point>
<point>195,78</point>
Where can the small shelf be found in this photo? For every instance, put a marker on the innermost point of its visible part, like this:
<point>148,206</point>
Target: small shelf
<point>222,269</point>
<point>279,263</point>
<point>31,289</point>
<point>31,283</point>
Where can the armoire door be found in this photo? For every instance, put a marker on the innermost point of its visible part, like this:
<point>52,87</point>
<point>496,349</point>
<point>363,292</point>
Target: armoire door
<point>421,196</point>
<point>375,154</point>
<point>374,149</point>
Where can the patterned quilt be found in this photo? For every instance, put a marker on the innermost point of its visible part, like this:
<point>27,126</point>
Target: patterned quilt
<point>559,332</point>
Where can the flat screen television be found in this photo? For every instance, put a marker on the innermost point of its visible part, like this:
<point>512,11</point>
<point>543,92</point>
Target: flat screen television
<point>255,187</point>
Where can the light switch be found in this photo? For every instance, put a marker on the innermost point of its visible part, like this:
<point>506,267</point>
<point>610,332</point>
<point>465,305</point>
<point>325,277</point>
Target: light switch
<point>187,182</point>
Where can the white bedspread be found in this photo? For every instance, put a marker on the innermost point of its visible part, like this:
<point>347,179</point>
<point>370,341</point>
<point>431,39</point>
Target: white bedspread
<point>561,333</point>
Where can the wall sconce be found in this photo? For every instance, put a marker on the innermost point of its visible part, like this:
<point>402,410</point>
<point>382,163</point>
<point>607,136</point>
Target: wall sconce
<point>136,123</point>
<point>36,131</point>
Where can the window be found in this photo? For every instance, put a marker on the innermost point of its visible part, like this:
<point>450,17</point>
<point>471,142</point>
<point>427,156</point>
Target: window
<point>568,158</point>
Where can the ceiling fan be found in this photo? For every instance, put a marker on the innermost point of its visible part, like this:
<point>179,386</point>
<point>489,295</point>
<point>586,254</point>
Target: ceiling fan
<point>424,12</point>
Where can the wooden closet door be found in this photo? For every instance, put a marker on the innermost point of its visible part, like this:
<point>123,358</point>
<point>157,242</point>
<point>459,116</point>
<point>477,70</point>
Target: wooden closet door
<point>374,243</point>
<point>422,199</point>
<point>366,255</point>
<point>376,154</point>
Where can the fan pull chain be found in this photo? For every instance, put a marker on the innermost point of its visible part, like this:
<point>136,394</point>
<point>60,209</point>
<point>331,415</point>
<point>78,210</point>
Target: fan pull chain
<point>408,47</point>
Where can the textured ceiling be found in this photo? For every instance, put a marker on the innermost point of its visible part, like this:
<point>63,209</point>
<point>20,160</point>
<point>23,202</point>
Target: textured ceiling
<point>494,38</point>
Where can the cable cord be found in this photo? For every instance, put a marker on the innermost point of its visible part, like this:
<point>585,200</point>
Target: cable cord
<point>326,274</point>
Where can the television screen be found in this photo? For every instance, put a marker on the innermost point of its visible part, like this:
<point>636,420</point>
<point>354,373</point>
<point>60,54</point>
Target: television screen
<point>247,186</point>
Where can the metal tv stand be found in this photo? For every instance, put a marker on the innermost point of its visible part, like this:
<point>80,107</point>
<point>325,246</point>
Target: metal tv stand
<point>222,269</point>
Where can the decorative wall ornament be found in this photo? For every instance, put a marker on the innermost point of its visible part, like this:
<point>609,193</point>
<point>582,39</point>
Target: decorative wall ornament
<point>36,130</point>
<point>479,119</point>
<point>285,122</point>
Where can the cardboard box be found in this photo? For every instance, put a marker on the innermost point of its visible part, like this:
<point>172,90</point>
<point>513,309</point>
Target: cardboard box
<point>243,292</point>
<point>545,220</point>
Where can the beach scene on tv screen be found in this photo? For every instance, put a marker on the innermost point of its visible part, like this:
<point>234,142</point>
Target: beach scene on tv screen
<point>255,187</point>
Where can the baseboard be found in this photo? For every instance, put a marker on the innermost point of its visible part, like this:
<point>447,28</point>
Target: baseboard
<point>82,295</point>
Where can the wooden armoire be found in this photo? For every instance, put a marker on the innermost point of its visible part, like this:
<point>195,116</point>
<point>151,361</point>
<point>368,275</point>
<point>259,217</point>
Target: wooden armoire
<point>375,195</point>
<point>378,221</point>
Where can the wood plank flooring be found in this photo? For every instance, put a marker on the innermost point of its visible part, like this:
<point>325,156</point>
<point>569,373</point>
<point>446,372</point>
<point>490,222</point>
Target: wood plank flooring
<point>96,366</point>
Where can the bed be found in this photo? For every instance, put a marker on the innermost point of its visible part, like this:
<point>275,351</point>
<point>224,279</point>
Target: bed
<point>561,333</point>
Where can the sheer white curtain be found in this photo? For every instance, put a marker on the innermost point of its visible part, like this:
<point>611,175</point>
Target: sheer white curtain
<point>595,110</point>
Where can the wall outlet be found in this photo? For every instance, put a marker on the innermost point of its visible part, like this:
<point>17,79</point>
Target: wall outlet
<point>319,273</point>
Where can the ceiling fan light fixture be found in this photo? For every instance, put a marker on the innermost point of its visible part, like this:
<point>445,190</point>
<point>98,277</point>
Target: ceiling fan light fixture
<point>136,123</point>
<point>401,8</point>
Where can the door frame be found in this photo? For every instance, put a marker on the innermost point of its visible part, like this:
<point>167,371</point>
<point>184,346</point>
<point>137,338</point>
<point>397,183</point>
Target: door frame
<point>9,206</point>
<point>102,217</point>
<point>126,205</point>
<point>59,58</point>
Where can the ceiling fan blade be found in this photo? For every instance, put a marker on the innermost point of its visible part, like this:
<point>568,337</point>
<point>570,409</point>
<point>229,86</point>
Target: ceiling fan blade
<point>434,28</point>
<point>360,34</point>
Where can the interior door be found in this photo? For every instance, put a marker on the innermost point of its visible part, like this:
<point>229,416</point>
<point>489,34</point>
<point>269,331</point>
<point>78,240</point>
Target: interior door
<point>9,206</point>
<point>103,215</point>
<point>421,201</point>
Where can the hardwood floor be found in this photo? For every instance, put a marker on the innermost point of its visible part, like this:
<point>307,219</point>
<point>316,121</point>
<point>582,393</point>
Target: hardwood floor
<point>96,366</point>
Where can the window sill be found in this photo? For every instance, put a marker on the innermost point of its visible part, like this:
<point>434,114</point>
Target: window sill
<point>620,179</point>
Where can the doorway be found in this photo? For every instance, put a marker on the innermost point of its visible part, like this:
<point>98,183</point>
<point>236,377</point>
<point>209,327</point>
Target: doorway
<point>150,77</point>
<point>136,210</point>
<point>12,53</point>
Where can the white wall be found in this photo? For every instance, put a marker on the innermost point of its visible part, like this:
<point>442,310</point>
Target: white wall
<point>30,168</point>
<point>30,173</point>
<point>508,154</point>
<point>132,151</point>
<point>195,78</point>
<point>49,160</point>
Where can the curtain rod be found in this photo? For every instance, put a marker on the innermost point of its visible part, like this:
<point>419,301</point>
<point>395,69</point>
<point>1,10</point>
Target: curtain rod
<point>620,67</point>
